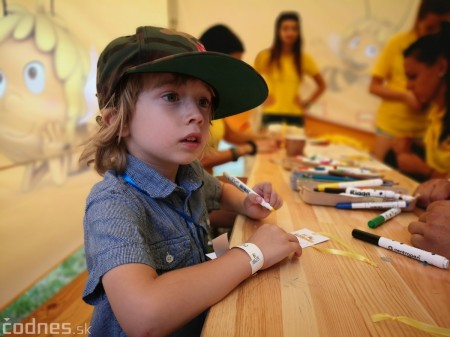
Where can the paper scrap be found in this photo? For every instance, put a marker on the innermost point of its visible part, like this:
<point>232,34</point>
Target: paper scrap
<point>307,237</point>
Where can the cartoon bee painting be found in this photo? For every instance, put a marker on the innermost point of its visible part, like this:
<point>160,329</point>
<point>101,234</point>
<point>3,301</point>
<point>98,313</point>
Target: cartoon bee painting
<point>358,46</point>
<point>43,76</point>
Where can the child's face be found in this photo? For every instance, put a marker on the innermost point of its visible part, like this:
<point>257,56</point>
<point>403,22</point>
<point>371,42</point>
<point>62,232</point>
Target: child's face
<point>423,80</point>
<point>170,126</point>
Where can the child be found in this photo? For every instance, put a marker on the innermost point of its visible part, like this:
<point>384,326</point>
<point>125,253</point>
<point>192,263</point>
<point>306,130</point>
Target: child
<point>426,67</point>
<point>146,221</point>
<point>400,115</point>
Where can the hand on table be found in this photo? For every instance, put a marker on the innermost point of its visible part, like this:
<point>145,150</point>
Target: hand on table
<point>275,244</point>
<point>431,231</point>
<point>432,190</point>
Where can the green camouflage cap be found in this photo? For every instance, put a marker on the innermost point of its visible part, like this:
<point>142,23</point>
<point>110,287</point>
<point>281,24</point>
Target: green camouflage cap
<point>237,86</point>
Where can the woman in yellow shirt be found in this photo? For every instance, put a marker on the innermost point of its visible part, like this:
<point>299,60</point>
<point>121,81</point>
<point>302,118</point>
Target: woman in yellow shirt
<point>400,113</point>
<point>283,66</point>
<point>427,70</point>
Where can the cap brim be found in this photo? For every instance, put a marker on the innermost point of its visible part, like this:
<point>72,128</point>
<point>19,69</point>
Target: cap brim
<point>239,87</point>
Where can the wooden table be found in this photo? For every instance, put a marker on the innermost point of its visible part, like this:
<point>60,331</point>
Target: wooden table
<point>329,295</point>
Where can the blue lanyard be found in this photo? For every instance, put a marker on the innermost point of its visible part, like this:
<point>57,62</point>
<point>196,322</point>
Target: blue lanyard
<point>185,216</point>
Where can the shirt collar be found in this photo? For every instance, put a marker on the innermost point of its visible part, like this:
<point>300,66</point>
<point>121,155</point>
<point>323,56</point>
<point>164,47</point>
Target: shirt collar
<point>158,186</point>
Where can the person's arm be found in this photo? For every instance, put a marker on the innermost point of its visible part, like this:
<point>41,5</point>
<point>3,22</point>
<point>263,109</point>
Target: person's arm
<point>411,163</point>
<point>431,231</point>
<point>320,89</point>
<point>146,304</point>
<point>432,190</point>
<point>264,143</point>
<point>215,157</point>
<point>241,147</point>
<point>378,88</point>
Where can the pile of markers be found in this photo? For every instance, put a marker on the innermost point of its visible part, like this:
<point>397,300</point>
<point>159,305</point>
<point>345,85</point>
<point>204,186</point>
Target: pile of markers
<point>392,201</point>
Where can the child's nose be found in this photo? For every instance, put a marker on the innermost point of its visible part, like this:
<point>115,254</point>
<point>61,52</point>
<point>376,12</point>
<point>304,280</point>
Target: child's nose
<point>194,112</point>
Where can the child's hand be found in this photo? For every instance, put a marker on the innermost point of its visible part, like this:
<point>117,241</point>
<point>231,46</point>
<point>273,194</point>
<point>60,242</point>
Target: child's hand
<point>275,244</point>
<point>251,203</point>
<point>411,100</point>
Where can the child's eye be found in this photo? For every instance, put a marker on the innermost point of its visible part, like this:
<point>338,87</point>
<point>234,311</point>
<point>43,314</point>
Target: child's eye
<point>204,102</point>
<point>171,97</point>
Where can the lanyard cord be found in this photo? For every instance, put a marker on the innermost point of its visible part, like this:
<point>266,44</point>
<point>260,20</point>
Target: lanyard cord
<point>185,216</point>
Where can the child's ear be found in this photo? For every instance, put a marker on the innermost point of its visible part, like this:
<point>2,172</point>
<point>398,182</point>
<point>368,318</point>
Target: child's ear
<point>109,117</point>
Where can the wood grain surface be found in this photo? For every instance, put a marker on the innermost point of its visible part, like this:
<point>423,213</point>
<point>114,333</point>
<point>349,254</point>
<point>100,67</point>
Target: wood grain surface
<point>322,294</point>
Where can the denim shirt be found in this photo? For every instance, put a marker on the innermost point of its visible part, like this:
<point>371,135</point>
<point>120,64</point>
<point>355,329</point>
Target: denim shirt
<point>142,222</point>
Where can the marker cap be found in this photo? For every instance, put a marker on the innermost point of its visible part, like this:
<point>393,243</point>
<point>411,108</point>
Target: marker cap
<point>364,236</point>
<point>375,222</point>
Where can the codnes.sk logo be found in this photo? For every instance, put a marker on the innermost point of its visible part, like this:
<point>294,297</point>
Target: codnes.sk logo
<point>36,328</point>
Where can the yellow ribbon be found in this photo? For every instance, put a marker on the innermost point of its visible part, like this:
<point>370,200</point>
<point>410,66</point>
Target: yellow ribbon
<point>433,329</point>
<point>351,253</point>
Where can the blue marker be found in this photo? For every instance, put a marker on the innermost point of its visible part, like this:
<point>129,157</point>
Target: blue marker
<point>372,205</point>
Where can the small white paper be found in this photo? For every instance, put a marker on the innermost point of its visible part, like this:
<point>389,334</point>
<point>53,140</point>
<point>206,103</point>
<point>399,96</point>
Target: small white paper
<point>307,237</point>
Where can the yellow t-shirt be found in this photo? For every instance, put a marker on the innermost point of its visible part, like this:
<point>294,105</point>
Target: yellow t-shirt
<point>437,154</point>
<point>284,82</point>
<point>216,133</point>
<point>394,117</point>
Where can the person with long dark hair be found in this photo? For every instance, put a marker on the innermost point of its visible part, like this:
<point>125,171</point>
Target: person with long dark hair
<point>399,113</point>
<point>284,66</point>
<point>426,68</point>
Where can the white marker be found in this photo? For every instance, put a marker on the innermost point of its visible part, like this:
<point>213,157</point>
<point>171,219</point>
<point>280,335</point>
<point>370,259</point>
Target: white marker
<point>356,183</point>
<point>372,205</point>
<point>401,248</point>
<point>244,188</point>
<point>378,193</point>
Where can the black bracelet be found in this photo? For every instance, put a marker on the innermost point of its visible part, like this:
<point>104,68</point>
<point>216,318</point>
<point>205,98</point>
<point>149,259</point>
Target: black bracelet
<point>234,154</point>
<point>254,147</point>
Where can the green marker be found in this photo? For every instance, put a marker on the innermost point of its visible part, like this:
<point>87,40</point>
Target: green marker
<point>383,217</point>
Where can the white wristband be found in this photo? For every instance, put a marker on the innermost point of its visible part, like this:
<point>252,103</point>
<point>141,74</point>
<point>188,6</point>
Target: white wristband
<point>256,256</point>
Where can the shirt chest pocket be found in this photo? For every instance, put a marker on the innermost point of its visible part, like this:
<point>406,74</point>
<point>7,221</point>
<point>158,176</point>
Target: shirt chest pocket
<point>172,254</point>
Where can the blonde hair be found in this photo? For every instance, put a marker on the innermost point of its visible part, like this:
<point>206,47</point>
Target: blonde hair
<point>51,36</point>
<point>107,149</point>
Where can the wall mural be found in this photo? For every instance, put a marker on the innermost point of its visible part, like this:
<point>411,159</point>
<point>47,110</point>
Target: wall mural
<point>48,55</point>
<point>351,52</point>
<point>44,93</point>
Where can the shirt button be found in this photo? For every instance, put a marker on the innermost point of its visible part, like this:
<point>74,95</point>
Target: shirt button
<point>169,258</point>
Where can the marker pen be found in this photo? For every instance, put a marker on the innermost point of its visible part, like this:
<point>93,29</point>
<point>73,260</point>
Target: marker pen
<point>379,193</point>
<point>356,183</point>
<point>401,248</point>
<point>327,177</point>
<point>368,192</point>
<point>244,188</point>
<point>383,217</point>
<point>372,205</point>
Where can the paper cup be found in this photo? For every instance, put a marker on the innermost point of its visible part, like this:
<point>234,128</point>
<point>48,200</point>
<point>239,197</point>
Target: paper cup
<point>295,144</point>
